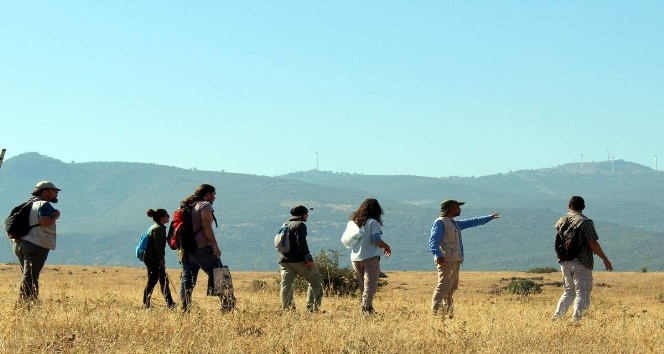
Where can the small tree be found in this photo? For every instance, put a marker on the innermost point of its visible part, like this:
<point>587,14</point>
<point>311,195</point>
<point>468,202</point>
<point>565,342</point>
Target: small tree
<point>522,286</point>
<point>337,281</point>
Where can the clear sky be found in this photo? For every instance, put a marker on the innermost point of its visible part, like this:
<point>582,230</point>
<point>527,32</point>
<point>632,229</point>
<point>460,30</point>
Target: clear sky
<point>430,88</point>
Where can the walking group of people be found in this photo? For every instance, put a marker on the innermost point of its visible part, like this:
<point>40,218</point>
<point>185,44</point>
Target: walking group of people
<point>363,236</point>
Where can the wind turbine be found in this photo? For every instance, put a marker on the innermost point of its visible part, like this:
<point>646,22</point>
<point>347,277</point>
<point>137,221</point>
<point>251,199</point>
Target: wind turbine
<point>2,156</point>
<point>653,156</point>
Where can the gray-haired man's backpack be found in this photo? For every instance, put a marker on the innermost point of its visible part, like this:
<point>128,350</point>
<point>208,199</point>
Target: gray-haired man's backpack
<point>568,241</point>
<point>17,224</point>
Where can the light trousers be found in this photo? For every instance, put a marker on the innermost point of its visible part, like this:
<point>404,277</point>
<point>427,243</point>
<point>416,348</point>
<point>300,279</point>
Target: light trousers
<point>578,280</point>
<point>289,271</point>
<point>448,283</point>
<point>367,272</point>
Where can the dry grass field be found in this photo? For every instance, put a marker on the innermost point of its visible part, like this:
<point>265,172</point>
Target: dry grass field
<point>98,310</point>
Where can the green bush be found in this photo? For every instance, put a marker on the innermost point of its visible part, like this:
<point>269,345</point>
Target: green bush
<point>542,270</point>
<point>337,281</point>
<point>522,286</point>
<point>644,269</point>
<point>661,298</point>
<point>258,285</point>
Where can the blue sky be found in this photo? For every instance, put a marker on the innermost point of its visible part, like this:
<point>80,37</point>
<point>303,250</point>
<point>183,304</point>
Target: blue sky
<point>430,88</point>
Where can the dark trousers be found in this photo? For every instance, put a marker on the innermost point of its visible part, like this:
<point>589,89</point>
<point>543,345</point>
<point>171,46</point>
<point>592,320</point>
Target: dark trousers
<point>32,259</point>
<point>157,273</point>
<point>192,262</point>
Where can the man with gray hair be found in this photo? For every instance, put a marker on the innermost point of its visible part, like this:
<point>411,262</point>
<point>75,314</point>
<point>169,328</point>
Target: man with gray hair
<point>446,245</point>
<point>32,249</point>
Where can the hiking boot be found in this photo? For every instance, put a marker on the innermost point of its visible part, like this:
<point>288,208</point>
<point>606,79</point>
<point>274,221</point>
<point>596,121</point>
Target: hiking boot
<point>368,310</point>
<point>227,302</point>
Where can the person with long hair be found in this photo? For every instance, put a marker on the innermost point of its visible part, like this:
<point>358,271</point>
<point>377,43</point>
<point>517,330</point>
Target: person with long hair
<point>365,254</point>
<point>204,252</point>
<point>155,258</point>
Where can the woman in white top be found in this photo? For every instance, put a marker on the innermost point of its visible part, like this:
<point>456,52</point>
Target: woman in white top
<point>366,251</point>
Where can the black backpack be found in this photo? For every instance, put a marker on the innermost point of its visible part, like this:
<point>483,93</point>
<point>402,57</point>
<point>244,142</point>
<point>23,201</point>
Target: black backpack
<point>17,224</point>
<point>568,241</point>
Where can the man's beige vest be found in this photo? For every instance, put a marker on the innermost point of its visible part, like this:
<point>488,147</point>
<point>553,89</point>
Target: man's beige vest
<point>451,241</point>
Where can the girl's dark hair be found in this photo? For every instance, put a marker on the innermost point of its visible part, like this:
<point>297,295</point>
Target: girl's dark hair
<point>369,209</point>
<point>199,193</point>
<point>156,215</point>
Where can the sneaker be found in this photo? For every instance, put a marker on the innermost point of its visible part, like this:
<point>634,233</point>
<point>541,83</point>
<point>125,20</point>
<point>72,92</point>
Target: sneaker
<point>368,310</point>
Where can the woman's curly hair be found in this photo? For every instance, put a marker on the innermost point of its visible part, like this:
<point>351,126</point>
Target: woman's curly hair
<point>369,209</point>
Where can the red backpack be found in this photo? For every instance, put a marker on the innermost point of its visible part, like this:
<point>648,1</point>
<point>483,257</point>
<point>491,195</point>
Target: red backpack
<point>181,232</point>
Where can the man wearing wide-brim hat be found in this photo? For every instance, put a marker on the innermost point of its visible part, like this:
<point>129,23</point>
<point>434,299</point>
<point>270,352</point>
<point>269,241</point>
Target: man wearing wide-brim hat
<point>447,247</point>
<point>32,249</point>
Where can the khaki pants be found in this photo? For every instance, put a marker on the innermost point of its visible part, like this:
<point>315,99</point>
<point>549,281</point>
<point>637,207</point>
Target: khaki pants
<point>289,271</point>
<point>448,282</point>
<point>578,285</point>
<point>367,272</point>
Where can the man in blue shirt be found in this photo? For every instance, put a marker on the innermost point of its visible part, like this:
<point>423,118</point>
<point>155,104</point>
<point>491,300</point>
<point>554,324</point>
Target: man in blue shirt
<point>447,247</point>
<point>32,249</point>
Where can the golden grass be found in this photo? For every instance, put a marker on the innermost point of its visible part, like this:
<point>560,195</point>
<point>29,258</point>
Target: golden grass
<point>98,309</point>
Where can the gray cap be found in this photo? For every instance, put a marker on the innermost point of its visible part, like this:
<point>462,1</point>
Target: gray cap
<point>45,185</point>
<point>447,204</point>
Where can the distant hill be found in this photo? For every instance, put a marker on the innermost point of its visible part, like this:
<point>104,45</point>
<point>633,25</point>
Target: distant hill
<point>103,208</point>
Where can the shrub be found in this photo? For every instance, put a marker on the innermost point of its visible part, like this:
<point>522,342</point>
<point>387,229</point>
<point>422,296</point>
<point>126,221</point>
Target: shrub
<point>522,286</point>
<point>644,269</point>
<point>336,281</point>
<point>258,285</point>
<point>661,298</point>
<point>542,270</point>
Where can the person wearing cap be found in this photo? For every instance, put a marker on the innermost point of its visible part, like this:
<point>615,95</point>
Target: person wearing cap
<point>299,261</point>
<point>447,247</point>
<point>578,272</point>
<point>33,248</point>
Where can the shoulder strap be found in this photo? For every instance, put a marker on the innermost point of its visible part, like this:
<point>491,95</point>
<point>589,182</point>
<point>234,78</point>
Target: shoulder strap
<point>28,204</point>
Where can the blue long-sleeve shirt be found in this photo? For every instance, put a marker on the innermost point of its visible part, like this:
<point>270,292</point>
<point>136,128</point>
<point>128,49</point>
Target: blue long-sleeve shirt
<point>438,231</point>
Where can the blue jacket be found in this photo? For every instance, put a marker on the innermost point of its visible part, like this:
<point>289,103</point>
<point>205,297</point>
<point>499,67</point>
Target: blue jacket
<point>438,231</point>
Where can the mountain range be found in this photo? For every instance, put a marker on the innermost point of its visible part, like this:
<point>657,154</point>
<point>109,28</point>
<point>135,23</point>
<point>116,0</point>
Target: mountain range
<point>104,204</point>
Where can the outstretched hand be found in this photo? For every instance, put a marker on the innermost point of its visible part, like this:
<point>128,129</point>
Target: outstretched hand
<point>495,216</point>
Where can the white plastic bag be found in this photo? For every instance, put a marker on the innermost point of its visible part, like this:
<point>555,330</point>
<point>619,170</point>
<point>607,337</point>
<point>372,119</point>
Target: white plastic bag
<point>352,235</point>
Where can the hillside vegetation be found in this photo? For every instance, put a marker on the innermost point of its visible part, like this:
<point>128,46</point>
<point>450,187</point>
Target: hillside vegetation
<point>103,208</point>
